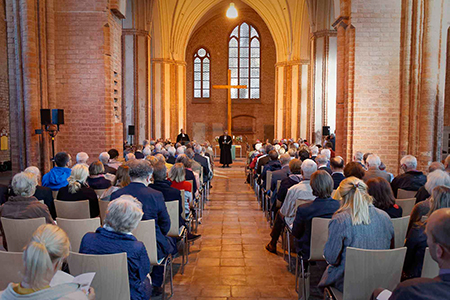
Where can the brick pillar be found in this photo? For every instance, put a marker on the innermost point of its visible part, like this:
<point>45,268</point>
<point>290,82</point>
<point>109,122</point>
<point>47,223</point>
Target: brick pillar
<point>4,93</point>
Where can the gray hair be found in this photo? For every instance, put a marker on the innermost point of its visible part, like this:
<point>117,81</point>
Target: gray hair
<point>159,172</point>
<point>82,157</point>
<point>104,157</point>
<point>171,151</point>
<point>436,165</point>
<point>130,157</point>
<point>314,150</point>
<point>160,158</point>
<point>359,156</point>
<point>373,160</point>
<point>409,161</point>
<point>321,159</point>
<point>285,159</point>
<point>147,151</point>
<point>24,184</point>
<point>182,158</point>
<point>124,214</point>
<point>308,168</point>
<point>177,173</point>
<point>158,147</point>
<point>326,152</point>
<point>435,179</point>
<point>180,150</point>
<point>35,171</point>
<point>189,153</point>
<point>140,169</point>
<point>198,149</point>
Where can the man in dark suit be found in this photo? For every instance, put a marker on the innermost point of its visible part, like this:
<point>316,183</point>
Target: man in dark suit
<point>281,173</point>
<point>273,165</point>
<point>225,143</point>
<point>411,179</point>
<point>438,239</point>
<point>183,138</point>
<point>322,163</point>
<point>337,166</point>
<point>202,161</point>
<point>154,208</point>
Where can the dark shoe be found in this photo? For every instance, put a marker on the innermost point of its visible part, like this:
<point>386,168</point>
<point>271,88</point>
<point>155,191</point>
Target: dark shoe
<point>157,291</point>
<point>193,237</point>
<point>271,248</point>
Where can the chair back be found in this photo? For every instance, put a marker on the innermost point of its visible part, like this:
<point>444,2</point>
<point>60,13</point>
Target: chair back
<point>278,185</point>
<point>430,267</point>
<point>404,194</point>
<point>111,273</point>
<point>100,192</point>
<point>72,209</point>
<point>174,213</point>
<point>268,180</point>
<point>183,200</point>
<point>407,205</point>
<point>55,194</point>
<point>299,202</point>
<point>400,229</point>
<point>200,176</point>
<point>319,237</point>
<point>18,232</point>
<point>146,233</point>
<point>366,270</point>
<point>77,228</point>
<point>192,186</point>
<point>12,265</point>
<point>333,193</point>
<point>103,206</point>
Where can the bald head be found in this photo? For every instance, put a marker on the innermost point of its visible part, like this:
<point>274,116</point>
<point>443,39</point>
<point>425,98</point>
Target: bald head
<point>438,237</point>
<point>337,164</point>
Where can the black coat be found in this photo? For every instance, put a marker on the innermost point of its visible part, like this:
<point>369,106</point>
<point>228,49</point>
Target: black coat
<point>410,181</point>
<point>171,160</point>
<point>183,139</point>
<point>225,150</point>
<point>337,178</point>
<point>170,194</point>
<point>3,193</point>
<point>45,194</point>
<point>423,289</point>
<point>85,193</point>
<point>204,163</point>
<point>326,169</point>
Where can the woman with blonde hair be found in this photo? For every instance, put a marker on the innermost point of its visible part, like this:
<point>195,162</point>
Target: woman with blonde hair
<point>42,258</point>
<point>77,189</point>
<point>357,223</point>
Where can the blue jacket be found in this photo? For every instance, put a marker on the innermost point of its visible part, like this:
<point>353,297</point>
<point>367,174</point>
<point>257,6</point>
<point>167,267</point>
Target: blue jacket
<point>154,209</point>
<point>110,242</point>
<point>56,178</point>
<point>170,194</point>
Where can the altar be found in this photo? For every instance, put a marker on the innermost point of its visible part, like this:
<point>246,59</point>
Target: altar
<point>233,151</point>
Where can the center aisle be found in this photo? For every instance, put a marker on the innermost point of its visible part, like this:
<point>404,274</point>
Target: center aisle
<point>229,261</point>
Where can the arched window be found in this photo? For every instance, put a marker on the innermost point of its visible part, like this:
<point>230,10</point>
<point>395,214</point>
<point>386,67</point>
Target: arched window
<point>244,60</point>
<point>202,63</point>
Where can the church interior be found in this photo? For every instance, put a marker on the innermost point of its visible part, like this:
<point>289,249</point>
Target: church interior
<point>367,81</point>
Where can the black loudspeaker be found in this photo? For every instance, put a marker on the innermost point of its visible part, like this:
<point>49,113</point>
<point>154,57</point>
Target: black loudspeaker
<point>326,130</point>
<point>58,116</point>
<point>130,129</point>
<point>46,117</point>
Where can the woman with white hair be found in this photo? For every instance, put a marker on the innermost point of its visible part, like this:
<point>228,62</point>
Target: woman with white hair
<point>42,258</point>
<point>358,223</point>
<point>77,189</point>
<point>24,205</point>
<point>42,192</point>
<point>122,217</point>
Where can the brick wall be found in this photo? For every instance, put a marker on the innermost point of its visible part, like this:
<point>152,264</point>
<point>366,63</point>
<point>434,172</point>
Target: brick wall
<point>213,35</point>
<point>447,82</point>
<point>4,93</point>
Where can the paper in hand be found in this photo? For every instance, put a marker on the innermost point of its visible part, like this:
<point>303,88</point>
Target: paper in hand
<point>84,280</point>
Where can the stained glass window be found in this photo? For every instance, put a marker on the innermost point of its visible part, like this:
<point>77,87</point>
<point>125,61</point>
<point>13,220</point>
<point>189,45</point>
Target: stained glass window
<point>202,69</point>
<point>244,61</point>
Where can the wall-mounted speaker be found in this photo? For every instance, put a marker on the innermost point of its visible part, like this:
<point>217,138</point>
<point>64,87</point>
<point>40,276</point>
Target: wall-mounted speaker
<point>46,117</point>
<point>58,116</point>
<point>326,130</point>
<point>130,129</point>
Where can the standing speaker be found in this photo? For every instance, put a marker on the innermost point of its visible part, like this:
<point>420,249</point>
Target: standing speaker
<point>58,116</point>
<point>326,130</point>
<point>130,129</point>
<point>46,117</point>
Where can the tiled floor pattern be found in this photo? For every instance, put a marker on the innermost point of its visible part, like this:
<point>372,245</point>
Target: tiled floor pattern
<point>229,261</point>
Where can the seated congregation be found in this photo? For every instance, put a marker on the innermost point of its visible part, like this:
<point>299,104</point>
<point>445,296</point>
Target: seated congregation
<point>159,182</point>
<point>307,192</point>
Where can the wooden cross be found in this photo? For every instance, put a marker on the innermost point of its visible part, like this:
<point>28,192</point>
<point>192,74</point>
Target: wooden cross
<point>229,87</point>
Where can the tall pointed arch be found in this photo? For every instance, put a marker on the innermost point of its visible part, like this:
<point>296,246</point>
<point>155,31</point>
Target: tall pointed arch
<point>244,61</point>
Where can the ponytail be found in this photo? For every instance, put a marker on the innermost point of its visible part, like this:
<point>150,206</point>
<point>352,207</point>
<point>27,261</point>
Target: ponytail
<point>77,177</point>
<point>74,185</point>
<point>353,192</point>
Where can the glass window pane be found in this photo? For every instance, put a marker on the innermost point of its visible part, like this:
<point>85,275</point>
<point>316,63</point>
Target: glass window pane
<point>205,75</point>
<point>253,32</point>
<point>201,52</point>
<point>205,84</point>
<point>197,84</point>
<point>243,93</point>
<point>234,72</point>
<point>244,30</point>
<point>255,62</point>
<point>233,62</point>
<point>233,43</point>
<point>255,43</point>
<point>244,62</point>
<point>235,31</point>
<point>234,81</point>
<point>254,72</point>
<point>205,93</point>
<point>254,83</point>
<point>254,93</point>
<point>205,66</point>
<point>197,67</point>
<point>243,81</point>
<point>206,60</point>
<point>244,42</point>
<point>234,93</point>
<point>233,52</point>
<point>255,52</point>
<point>244,72</point>
<point>244,52</point>
<point>197,94</point>
<point>197,76</point>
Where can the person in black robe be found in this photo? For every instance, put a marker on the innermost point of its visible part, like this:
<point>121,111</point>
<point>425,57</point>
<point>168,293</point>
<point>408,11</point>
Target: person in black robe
<point>225,143</point>
<point>183,138</point>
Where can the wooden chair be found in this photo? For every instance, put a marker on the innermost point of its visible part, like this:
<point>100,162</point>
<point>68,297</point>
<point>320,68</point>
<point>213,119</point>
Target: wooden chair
<point>267,193</point>
<point>319,237</point>
<point>400,230</point>
<point>100,192</point>
<point>55,194</point>
<point>299,202</point>
<point>366,270</point>
<point>404,194</point>
<point>72,209</point>
<point>12,265</point>
<point>177,231</point>
<point>430,268</point>
<point>111,273</point>
<point>18,232</point>
<point>407,205</point>
<point>103,205</point>
<point>77,228</point>
<point>146,233</point>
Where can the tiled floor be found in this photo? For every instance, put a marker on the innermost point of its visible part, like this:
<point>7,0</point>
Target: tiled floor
<point>229,261</point>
